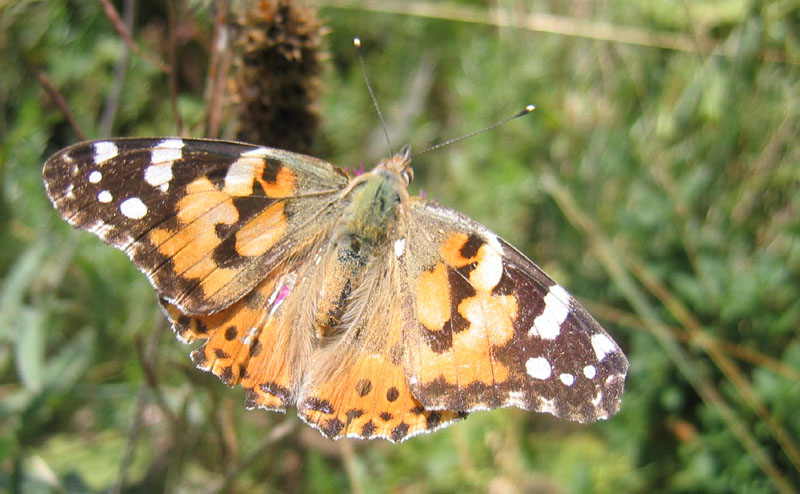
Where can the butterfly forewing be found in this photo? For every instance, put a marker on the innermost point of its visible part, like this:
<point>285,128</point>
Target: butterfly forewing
<point>205,220</point>
<point>493,330</point>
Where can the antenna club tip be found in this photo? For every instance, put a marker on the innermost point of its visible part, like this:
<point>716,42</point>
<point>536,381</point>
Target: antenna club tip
<point>529,108</point>
<point>357,42</point>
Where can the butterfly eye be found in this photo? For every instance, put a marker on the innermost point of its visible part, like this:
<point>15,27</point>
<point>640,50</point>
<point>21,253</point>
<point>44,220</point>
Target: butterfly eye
<point>408,175</point>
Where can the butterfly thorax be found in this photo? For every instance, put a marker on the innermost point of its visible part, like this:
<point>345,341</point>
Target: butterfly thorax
<point>363,236</point>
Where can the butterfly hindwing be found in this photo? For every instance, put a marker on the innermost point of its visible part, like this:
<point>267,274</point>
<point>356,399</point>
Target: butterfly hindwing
<point>493,330</point>
<point>205,220</point>
<point>252,342</point>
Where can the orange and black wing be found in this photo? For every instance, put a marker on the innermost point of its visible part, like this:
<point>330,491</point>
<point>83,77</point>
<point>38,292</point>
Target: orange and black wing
<point>205,220</point>
<point>493,330</point>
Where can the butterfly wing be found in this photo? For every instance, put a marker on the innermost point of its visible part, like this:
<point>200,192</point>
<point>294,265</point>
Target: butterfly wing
<point>205,220</point>
<point>257,341</point>
<point>492,329</point>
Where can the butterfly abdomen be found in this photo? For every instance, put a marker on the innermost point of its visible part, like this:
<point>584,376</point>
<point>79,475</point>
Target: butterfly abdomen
<point>344,273</point>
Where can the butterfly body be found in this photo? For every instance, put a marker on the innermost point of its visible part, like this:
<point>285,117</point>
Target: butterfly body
<point>375,313</point>
<point>369,222</point>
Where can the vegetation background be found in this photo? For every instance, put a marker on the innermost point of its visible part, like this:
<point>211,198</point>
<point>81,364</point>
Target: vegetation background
<point>657,180</point>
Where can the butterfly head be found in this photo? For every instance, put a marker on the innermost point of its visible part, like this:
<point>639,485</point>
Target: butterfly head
<point>400,164</point>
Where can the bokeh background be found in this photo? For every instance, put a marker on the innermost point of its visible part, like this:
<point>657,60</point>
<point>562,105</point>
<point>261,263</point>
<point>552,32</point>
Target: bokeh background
<point>658,180</point>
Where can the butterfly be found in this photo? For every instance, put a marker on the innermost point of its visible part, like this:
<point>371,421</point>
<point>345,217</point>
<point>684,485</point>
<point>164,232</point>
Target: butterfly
<point>376,313</point>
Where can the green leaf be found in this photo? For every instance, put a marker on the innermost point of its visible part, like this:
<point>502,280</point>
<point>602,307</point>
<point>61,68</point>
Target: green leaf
<point>17,283</point>
<point>63,370</point>
<point>29,349</point>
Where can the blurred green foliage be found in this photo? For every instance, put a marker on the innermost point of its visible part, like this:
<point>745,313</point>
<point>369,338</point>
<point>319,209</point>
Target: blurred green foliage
<point>656,180</point>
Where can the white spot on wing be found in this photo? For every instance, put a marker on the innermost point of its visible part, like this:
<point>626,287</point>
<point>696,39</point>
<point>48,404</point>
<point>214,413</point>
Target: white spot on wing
<point>494,242</point>
<point>159,175</point>
<point>567,379</point>
<point>589,371</point>
<point>516,398</point>
<point>547,325</point>
<point>104,151</point>
<point>399,247</point>
<point>133,208</point>
<point>105,196</point>
<point>101,229</point>
<point>174,143</point>
<point>602,345</point>
<point>167,151</point>
<point>547,406</point>
<point>240,174</point>
<point>538,368</point>
<point>489,270</point>
<point>95,177</point>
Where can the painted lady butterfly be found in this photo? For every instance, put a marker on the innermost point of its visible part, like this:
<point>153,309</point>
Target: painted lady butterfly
<point>377,314</point>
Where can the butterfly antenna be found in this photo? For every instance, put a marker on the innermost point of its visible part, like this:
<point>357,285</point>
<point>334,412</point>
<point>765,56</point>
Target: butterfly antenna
<point>357,43</point>
<point>521,113</point>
